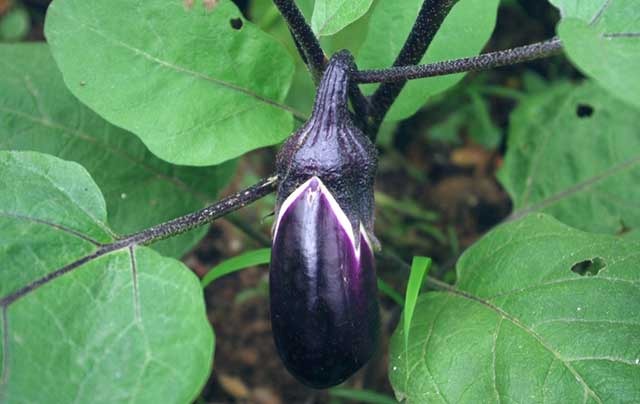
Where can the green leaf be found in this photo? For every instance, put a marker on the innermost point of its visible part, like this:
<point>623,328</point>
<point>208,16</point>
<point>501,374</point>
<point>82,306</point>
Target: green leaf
<point>463,33</point>
<point>239,262</point>
<point>574,152</point>
<point>484,131</point>
<point>523,327</point>
<point>196,90</point>
<point>38,113</point>
<point>469,113</point>
<point>15,25</point>
<point>331,16</point>
<point>84,320</point>
<point>350,37</point>
<point>602,38</point>
<point>419,269</point>
<point>361,396</point>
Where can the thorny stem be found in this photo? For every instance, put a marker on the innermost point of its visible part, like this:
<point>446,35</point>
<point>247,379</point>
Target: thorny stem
<point>203,216</point>
<point>475,63</point>
<point>430,18</point>
<point>159,232</point>
<point>361,107</point>
<point>313,56</point>
<point>306,41</point>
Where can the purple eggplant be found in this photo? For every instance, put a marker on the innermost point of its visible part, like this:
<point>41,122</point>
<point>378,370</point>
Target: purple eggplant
<point>324,309</point>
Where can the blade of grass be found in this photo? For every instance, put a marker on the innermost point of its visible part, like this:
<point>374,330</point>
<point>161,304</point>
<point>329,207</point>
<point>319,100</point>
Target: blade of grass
<point>263,256</point>
<point>453,240</point>
<point>419,268</point>
<point>386,289</point>
<point>363,396</point>
<point>237,263</point>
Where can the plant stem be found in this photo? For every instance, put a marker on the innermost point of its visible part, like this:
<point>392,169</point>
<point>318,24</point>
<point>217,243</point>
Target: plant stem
<point>430,18</point>
<point>202,216</point>
<point>313,56</point>
<point>306,41</point>
<point>155,233</point>
<point>475,63</point>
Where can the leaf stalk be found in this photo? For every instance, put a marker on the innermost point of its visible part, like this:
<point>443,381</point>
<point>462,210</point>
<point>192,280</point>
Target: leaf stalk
<point>430,17</point>
<point>485,61</point>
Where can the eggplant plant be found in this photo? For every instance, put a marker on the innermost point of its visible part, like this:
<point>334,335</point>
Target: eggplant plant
<point>119,131</point>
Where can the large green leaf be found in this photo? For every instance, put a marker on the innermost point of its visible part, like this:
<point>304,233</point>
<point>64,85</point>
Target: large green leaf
<point>602,37</point>
<point>38,113</point>
<point>82,322</point>
<point>523,327</point>
<point>463,33</point>
<point>330,16</point>
<point>198,84</point>
<point>574,152</point>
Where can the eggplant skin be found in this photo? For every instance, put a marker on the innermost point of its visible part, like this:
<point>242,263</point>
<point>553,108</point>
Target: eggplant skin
<point>324,309</point>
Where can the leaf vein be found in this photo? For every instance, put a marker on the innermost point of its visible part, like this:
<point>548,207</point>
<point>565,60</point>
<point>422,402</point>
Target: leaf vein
<point>614,35</point>
<point>587,321</point>
<point>70,132</point>
<point>580,186</point>
<point>607,359</point>
<point>181,69</point>
<point>494,348</point>
<point>134,280</point>
<point>71,200</point>
<point>538,157</point>
<point>561,281</point>
<point>51,224</point>
<point>600,12</point>
<point>424,356</point>
<point>533,334</point>
<point>5,348</point>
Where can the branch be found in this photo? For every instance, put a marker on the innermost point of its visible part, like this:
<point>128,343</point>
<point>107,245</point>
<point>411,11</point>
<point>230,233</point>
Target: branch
<point>203,216</point>
<point>313,56</point>
<point>485,61</point>
<point>361,107</point>
<point>155,233</point>
<point>306,41</point>
<point>430,18</point>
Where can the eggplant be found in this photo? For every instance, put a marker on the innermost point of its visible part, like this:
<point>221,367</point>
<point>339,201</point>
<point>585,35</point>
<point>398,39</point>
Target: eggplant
<point>323,293</point>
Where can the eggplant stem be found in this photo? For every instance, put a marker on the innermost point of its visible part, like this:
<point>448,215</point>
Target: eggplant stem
<point>428,22</point>
<point>314,57</point>
<point>484,61</point>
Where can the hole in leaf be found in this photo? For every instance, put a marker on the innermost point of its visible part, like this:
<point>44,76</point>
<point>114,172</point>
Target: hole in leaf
<point>236,23</point>
<point>584,110</point>
<point>589,267</point>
